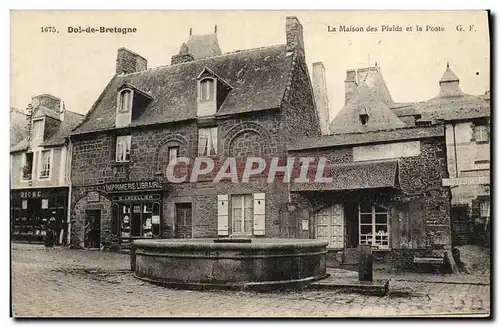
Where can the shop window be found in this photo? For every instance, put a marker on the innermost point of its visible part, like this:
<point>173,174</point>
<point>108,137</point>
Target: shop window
<point>155,220</point>
<point>45,203</point>
<point>123,148</point>
<point>373,225</point>
<point>125,221</point>
<point>207,141</point>
<point>115,220</point>
<point>242,214</point>
<point>45,161</point>
<point>24,204</point>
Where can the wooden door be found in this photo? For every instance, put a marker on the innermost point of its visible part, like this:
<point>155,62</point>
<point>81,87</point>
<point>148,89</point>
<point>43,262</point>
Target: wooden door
<point>183,220</point>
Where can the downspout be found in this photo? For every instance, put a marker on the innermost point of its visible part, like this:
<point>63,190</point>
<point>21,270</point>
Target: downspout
<point>69,157</point>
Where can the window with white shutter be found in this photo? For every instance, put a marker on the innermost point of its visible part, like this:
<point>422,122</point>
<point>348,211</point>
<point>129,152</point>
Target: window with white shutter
<point>222,214</point>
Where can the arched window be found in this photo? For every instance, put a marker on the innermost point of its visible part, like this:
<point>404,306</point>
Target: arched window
<point>207,89</point>
<point>125,101</point>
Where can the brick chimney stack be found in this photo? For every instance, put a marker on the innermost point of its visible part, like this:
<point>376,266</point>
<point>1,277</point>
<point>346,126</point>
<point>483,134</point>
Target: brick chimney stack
<point>183,56</point>
<point>320,96</point>
<point>294,35</point>
<point>351,84</point>
<point>128,62</point>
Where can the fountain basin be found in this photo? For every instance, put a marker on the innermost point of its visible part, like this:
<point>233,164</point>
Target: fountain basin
<point>230,263</point>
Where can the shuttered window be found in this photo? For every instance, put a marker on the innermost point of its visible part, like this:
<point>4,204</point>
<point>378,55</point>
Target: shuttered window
<point>247,214</point>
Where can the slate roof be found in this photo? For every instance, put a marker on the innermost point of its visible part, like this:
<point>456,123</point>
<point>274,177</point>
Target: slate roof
<point>71,120</point>
<point>203,46</point>
<point>258,80</point>
<point>366,138</point>
<point>449,75</point>
<point>354,176</point>
<point>365,100</point>
<point>450,104</point>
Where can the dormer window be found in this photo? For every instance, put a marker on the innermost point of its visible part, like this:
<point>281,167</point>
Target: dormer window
<point>363,116</point>
<point>130,103</point>
<point>212,91</point>
<point>207,89</point>
<point>38,130</point>
<point>363,119</point>
<point>125,101</point>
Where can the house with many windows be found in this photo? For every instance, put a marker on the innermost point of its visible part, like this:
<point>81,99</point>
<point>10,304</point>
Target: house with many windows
<point>40,169</point>
<point>466,118</point>
<point>206,106</point>
<point>386,180</point>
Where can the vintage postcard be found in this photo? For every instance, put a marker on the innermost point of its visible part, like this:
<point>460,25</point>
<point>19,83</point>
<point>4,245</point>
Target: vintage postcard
<point>250,164</point>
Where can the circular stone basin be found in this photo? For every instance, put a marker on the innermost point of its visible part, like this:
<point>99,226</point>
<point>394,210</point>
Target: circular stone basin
<point>230,263</point>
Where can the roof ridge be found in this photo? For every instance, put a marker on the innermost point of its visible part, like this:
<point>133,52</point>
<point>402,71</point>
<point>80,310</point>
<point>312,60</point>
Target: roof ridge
<point>208,58</point>
<point>74,112</point>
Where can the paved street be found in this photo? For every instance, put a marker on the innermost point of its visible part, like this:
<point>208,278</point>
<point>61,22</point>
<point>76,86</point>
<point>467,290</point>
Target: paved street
<point>76,283</point>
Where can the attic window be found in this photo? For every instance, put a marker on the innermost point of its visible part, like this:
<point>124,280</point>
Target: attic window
<point>363,119</point>
<point>125,101</point>
<point>207,89</point>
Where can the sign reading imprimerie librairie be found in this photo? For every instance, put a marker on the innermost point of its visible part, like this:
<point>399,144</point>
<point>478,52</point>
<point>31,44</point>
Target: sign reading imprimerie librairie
<point>134,186</point>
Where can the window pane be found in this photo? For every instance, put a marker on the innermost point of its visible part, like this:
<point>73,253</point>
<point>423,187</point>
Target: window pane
<point>380,228</point>
<point>213,140</point>
<point>237,213</point>
<point>365,207</point>
<point>365,218</point>
<point>366,229</point>
<point>381,218</point>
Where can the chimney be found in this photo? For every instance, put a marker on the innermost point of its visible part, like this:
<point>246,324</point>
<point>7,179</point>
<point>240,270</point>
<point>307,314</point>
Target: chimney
<point>128,62</point>
<point>350,84</point>
<point>48,101</point>
<point>294,35</point>
<point>320,96</point>
<point>183,56</point>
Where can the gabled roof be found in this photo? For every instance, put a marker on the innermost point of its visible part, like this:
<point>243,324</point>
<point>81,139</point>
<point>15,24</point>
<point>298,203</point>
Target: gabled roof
<point>258,78</point>
<point>203,46</point>
<point>60,135</point>
<point>71,120</point>
<point>363,101</point>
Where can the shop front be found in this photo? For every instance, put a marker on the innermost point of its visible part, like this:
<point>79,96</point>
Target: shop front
<point>136,211</point>
<point>33,208</point>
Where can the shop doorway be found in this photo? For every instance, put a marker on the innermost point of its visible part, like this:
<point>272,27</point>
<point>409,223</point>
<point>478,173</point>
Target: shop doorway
<point>183,220</point>
<point>93,229</point>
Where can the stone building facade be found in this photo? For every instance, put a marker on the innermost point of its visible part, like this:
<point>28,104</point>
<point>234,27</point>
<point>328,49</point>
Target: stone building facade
<point>204,105</point>
<point>466,119</point>
<point>40,169</point>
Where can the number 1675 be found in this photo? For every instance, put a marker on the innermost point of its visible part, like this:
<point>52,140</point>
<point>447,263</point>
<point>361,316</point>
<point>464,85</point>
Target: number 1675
<point>48,29</point>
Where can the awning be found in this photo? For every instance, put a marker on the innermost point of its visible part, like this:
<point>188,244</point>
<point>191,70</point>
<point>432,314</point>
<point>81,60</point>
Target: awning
<point>355,176</point>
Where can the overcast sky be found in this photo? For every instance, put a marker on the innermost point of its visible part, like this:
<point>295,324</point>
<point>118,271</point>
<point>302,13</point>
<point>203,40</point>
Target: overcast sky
<point>77,67</point>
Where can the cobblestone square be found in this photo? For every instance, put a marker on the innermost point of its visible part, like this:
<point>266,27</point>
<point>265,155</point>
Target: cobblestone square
<point>76,283</point>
